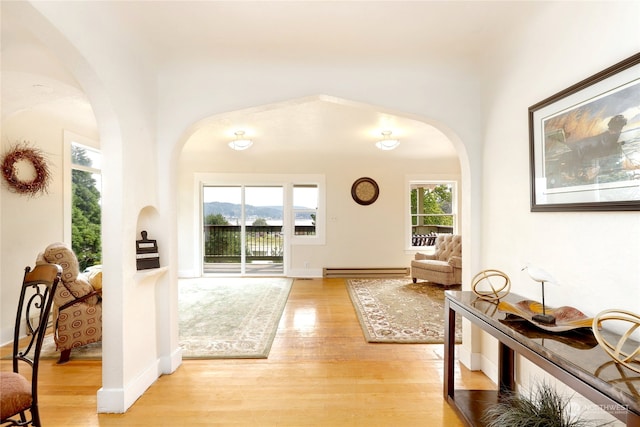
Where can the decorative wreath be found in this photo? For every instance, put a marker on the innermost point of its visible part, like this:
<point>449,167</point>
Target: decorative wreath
<point>23,152</point>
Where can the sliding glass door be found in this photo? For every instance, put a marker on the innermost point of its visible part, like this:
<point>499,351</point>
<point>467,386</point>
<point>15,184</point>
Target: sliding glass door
<point>243,230</point>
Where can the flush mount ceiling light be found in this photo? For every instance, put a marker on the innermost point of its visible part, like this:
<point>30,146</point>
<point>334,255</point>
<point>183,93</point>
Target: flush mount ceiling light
<point>240,143</point>
<point>386,143</point>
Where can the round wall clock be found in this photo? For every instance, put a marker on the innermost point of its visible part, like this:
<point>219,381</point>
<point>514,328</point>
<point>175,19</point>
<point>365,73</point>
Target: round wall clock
<point>365,191</point>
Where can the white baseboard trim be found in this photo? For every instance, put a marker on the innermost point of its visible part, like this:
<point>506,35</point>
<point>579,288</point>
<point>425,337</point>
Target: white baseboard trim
<point>6,334</point>
<point>468,359</point>
<point>489,368</point>
<point>169,364</point>
<point>187,274</point>
<point>478,362</point>
<point>111,401</point>
<point>305,272</point>
<point>118,400</point>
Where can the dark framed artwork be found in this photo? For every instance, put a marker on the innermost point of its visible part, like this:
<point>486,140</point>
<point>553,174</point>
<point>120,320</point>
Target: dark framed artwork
<point>584,144</point>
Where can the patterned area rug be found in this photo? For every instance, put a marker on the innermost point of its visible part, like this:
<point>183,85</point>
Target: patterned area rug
<point>231,317</point>
<point>400,311</point>
<point>218,319</point>
<point>88,352</point>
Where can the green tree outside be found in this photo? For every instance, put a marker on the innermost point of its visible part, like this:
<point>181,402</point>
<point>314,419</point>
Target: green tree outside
<point>437,200</point>
<point>85,212</point>
<point>220,243</point>
<point>216,219</point>
<point>260,222</point>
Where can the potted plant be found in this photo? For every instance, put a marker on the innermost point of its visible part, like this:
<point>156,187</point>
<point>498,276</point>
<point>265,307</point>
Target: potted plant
<point>545,407</point>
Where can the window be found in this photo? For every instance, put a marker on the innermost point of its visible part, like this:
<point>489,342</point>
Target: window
<point>83,213</point>
<point>296,216</point>
<point>433,210</point>
<point>305,209</point>
<point>243,229</point>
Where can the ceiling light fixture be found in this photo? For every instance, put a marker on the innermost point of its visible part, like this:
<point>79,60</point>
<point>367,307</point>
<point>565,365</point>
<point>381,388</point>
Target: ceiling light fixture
<point>386,143</point>
<point>240,143</point>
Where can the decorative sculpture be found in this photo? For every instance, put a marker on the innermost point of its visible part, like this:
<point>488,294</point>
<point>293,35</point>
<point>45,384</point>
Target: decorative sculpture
<point>626,358</point>
<point>484,287</point>
<point>566,317</point>
<point>541,276</point>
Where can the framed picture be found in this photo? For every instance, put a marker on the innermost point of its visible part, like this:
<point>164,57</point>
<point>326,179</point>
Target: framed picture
<point>584,144</point>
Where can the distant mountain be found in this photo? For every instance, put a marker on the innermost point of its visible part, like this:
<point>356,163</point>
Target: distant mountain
<point>231,210</point>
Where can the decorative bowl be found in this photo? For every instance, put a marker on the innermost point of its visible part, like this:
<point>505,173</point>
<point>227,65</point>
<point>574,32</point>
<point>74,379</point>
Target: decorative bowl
<point>567,318</point>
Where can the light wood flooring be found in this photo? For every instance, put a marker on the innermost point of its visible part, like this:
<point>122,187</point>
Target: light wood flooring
<point>320,372</point>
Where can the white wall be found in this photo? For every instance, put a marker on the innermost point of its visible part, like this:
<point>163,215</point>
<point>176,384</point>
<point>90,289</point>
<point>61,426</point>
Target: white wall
<point>142,118</point>
<point>356,236</point>
<point>594,255</point>
<point>121,90</point>
<point>416,91</point>
<point>29,224</point>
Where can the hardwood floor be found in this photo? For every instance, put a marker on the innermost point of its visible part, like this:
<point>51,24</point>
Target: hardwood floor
<point>320,372</point>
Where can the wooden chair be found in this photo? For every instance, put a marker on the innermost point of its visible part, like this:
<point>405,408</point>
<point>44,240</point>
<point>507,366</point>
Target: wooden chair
<point>19,395</point>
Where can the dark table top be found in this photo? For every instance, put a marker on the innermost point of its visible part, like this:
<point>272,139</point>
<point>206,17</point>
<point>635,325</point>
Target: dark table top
<point>575,351</point>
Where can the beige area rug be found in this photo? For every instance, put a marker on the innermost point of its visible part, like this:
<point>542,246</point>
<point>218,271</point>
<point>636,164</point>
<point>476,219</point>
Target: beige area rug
<point>219,318</point>
<point>230,318</point>
<point>88,352</point>
<point>400,311</point>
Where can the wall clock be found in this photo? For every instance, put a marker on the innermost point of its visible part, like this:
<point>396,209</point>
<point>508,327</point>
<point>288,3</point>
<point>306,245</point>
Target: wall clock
<point>365,191</point>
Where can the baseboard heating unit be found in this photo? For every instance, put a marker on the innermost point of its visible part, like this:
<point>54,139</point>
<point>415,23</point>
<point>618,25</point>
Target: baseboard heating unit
<point>366,272</point>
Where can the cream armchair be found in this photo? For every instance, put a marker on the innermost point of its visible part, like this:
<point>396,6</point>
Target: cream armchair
<point>77,302</point>
<point>444,266</point>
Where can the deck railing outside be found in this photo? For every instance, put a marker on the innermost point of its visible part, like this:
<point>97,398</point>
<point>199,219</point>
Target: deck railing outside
<point>425,235</point>
<point>222,243</point>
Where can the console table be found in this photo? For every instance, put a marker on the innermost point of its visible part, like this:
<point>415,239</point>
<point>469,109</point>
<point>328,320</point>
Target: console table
<point>573,357</point>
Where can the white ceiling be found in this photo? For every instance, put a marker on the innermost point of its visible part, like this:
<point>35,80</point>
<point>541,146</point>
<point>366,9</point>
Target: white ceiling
<point>323,125</point>
<point>319,30</point>
<point>165,32</point>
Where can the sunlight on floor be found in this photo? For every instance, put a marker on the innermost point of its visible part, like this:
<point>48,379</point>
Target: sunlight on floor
<point>304,318</point>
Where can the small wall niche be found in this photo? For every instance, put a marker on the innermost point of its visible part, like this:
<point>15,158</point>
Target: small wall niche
<point>149,222</point>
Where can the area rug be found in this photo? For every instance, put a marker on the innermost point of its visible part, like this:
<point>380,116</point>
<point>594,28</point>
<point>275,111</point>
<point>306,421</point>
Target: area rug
<point>88,352</point>
<point>400,311</point>
<point>219,318</point>
<point>230,317</point>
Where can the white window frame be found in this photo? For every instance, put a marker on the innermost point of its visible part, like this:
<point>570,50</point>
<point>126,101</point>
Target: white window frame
<point>303,239</point>
<point>287,181</point>
<point>413,181</point>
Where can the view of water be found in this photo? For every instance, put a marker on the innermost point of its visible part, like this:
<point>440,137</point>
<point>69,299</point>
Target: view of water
<point>274,222</point>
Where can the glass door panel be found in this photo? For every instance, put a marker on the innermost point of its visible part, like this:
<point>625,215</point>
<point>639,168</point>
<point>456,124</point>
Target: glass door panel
<point>242,229</point>
<point>264,237</point>
<point>222,218</point>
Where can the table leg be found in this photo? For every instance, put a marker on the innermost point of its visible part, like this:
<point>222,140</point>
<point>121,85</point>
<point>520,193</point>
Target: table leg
<point>506,361</point>
<point>449,349</point>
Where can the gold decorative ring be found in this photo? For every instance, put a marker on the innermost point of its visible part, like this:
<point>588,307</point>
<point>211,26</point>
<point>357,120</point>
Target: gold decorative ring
<point>484,287</point>
<point>626,358</point>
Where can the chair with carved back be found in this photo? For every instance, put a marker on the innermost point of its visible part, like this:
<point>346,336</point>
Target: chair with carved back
<point>19,392</point>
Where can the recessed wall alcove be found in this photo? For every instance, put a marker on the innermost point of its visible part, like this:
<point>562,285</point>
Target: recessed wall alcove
<point>149,221</point>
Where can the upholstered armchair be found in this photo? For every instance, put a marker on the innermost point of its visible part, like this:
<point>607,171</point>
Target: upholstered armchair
<point>444,266</point>
<point>77,303</point>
